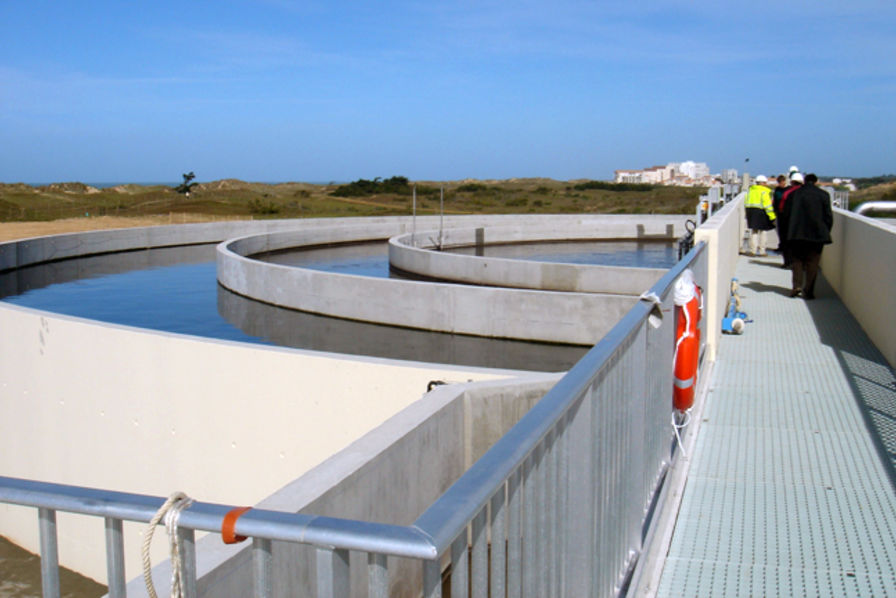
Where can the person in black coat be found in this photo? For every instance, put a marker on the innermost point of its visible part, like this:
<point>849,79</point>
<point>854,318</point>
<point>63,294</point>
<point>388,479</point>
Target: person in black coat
<point>809,220</point>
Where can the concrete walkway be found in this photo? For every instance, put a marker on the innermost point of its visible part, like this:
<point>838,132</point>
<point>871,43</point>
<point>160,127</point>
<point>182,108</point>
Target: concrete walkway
<point>791,488</point>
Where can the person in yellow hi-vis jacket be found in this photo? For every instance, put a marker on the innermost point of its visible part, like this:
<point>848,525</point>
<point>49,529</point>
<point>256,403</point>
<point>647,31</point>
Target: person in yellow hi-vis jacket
<point>760,214</point>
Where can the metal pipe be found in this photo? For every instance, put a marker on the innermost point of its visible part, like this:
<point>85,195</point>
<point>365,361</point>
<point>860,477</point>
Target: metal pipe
<point>262,564</point>
<point>377,576</point>
<point>875,207</point>
<point>332,573</point>
<point>498,560</point>
<point>49,553</point>
<point>363,536</point>
<point>187,538</point>
<point>115,558</point>
<point>479,558</point>
<point>460,567</point>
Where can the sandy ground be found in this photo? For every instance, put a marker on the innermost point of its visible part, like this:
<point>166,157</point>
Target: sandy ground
<point>22,230</point>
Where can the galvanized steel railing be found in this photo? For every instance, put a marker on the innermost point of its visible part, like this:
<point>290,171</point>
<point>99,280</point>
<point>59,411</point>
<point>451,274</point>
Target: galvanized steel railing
<point>557,507</point>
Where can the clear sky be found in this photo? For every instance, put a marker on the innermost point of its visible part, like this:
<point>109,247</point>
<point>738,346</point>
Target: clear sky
<point>333,90</point>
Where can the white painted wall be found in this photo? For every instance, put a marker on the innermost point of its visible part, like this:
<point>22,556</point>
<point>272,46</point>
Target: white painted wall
<point>861,266</point>
<point>723,234</point>
<point>138,411</point>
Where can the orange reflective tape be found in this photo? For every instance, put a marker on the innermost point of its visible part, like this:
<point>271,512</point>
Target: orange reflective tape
<point>227,526</point>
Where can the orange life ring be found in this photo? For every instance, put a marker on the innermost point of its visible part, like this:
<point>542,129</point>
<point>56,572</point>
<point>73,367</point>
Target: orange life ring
<point>687,348</point>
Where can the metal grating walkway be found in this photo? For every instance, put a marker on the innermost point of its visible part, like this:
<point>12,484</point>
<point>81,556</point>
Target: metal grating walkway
<point>791,485</point>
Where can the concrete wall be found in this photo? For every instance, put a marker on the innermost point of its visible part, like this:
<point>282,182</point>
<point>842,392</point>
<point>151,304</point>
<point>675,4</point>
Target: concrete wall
<point>56,247</point>
<point>522,229</point>
<point>416,454</point>
<point>861,266</point>
<point>573,318</point>
<point>723,234</point>
<point>114,407</point>
<point>414,254</point>
<point>562,317</point>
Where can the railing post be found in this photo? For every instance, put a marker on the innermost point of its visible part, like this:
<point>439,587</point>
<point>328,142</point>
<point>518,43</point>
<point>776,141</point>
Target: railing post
<point>115,574</point>
<point>262,558</point>
<point>498,561</point>
<point>460,567</point>
<point>187,539</point>
<point>479,574</point>
<point>514,535</point>
<point>49,553</point>
<point>529,535</point>
<point>377,576</point>
<point>332,573</point>
<point>432,579</point>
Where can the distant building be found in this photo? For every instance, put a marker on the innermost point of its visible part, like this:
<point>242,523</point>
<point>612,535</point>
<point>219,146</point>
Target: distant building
<point>675,173</point>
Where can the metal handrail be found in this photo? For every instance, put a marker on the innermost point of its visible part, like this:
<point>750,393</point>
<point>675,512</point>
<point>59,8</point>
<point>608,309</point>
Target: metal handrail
<point>349,534</point>
<point>447,517</point>
<point>876,207</point>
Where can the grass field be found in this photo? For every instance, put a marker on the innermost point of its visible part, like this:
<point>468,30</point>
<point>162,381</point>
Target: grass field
<point>239,199</point>
<point>73,207</point>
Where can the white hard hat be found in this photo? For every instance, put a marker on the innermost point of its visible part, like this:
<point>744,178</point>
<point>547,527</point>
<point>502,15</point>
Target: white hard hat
<point>796,177</point>
<point>761,179</point>
<point>794,169</point>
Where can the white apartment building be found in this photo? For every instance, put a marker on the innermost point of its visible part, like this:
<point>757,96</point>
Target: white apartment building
<point>674,173</point>
<point>691,169</point>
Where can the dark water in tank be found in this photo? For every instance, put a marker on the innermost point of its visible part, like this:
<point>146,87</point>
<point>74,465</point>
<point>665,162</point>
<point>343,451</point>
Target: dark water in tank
<point>371,259</point>
<point>649,254</point>
<point>176,290</point>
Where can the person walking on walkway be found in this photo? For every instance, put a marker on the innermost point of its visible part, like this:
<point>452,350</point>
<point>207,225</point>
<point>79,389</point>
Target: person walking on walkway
<point>796,181</point>
<point>809,220</point>
<point>760,214</point>
<point>777,193</point>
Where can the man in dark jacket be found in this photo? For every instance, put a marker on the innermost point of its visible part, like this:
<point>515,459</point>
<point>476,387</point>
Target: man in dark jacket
<point>796,181</point>
<point>809,220</point>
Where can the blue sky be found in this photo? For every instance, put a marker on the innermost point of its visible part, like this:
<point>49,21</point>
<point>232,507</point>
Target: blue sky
<point>281,90</point>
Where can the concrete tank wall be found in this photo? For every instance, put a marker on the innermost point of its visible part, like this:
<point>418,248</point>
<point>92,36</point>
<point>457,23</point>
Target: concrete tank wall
<point>562,317</point>
<point>723,234</point>
<point>115,407</point>
<point>416,254</point>
<point>861,266</point>
<point>572,318</point>
<point>416,454</point>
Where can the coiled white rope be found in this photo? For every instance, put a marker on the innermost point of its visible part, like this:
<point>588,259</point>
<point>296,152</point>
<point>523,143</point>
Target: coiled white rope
<point>678,427</point>
<point>171,511</point>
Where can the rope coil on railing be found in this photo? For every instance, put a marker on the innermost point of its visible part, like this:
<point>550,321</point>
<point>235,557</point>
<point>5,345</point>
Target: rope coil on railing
<point>171,511</point>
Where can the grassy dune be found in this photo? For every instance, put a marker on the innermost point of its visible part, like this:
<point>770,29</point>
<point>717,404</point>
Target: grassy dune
<point>238,199</point>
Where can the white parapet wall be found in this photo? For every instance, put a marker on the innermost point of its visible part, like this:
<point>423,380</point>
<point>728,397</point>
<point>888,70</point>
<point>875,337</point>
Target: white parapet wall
<point>723,235</point>
<point>113,407</point>
<point>860,264</point>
